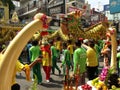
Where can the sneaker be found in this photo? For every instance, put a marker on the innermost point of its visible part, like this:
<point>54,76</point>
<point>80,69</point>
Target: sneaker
<point>32,79</point>
<point>47,81</point>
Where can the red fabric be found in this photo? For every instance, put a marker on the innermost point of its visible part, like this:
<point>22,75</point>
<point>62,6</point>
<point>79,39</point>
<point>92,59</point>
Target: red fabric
<point>47,70</point>
<point>108,43</point>
<point>43,33</point>
<point>81,39</point>
<point>46,48</point>
<point>44,20</point>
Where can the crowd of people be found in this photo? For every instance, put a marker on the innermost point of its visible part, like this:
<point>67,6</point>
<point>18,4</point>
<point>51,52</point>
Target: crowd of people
<point>82,53</point>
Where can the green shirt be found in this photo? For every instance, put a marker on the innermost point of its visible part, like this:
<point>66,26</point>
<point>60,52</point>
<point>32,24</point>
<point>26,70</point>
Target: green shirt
<point>34,52</point>
<point>66,60</point>
<point>54,51</point>
<point>79,58</point>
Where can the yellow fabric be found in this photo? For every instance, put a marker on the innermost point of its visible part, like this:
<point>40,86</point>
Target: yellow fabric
<point>70,48</point>
<point>58,45</point>
<point>46,61</point>
<point>18,68</point>
<point>91,57</point>
<point>27,72</point>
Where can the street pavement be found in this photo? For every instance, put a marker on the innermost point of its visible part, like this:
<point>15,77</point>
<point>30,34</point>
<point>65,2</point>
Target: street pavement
<point>54,84</point>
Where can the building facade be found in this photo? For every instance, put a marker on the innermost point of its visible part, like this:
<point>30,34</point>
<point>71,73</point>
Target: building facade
<point>28,8</point>
<point>4,13</point>
<point>56,8</point>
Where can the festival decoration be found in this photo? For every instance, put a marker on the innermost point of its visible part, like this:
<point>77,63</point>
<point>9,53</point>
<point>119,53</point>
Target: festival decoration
<point>27,72</point>
<point>16,46</point>
<point>108,79</point>
<point>40,23</point>
<point>7,36</point>
<point>86,87</point>
<point>15,18</point>
<point>71,81</point>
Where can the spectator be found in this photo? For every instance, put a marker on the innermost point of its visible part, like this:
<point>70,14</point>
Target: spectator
<point>29,45</point>
<point>92,62</point>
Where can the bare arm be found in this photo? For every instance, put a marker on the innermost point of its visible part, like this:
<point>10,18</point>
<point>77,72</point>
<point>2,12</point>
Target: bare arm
<point>85,46</point>
<point>38,60</point>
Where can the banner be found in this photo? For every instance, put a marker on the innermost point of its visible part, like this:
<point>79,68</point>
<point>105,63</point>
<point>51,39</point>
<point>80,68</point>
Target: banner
<point>106,7</point>
<point>114,6</point>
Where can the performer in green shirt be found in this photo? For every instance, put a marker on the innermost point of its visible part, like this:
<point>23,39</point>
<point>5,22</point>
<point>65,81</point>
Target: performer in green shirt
<point>66,63</point>
<point>79,59</point>
<point>54,58</point>
<point>35,52</point>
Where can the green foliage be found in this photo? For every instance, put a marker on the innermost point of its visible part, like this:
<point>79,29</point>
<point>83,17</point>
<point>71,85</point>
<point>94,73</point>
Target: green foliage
<point>34,85</point>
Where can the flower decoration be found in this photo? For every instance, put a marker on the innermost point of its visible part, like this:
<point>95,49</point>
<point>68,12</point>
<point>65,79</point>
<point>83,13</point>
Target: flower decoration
<point>111,31</point>
<point>44,20</point>
<point>105,74</point>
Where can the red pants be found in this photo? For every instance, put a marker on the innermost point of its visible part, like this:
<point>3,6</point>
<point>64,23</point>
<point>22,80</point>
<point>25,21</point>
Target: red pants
<point>47,70</point>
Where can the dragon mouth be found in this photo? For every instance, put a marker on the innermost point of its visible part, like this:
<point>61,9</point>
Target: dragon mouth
<point>44,18</point>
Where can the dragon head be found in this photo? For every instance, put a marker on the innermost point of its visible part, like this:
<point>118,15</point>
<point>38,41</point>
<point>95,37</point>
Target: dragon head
<point>71,22</point>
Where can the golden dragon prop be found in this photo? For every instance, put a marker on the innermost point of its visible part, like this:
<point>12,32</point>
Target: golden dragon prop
<point>71,26</point>
<point>7,63</point>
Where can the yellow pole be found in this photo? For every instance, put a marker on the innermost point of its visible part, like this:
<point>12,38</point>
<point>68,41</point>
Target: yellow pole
<point>7,64</point>
<point>113,48</point>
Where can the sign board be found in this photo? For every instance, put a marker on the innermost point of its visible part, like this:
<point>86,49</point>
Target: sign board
<point>70,9</point>
<point>114,6</point>
<point>55,10</point>
<point>106,7</point>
